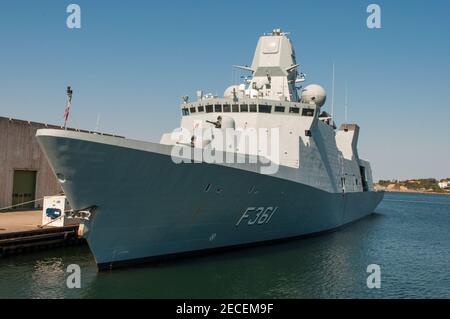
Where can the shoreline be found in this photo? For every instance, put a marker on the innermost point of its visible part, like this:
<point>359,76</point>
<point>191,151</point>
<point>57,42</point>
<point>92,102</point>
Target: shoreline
<point>411,191</point>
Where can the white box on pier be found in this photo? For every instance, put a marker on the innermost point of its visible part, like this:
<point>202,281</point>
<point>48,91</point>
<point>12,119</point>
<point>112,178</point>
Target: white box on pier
<point>53,211</point>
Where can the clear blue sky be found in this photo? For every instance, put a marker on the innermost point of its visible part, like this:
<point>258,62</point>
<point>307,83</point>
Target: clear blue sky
<point>132,61</point>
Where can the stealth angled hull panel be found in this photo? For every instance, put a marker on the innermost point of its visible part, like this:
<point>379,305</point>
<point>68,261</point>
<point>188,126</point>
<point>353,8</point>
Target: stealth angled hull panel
<point>149,206</point>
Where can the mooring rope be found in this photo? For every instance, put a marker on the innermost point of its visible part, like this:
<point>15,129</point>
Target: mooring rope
<point>24,203</point>
<point>54,220</point>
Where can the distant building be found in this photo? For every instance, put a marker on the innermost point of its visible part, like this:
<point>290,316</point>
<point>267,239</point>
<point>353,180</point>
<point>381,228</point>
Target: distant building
<point>25,174</point>
<point>444,185</point>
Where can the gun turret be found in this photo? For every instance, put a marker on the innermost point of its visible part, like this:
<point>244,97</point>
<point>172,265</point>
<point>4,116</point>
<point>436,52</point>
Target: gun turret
<point>218,123</point>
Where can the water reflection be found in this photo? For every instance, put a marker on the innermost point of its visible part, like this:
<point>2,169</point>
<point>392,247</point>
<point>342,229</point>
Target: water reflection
<point>408,238</point>
<point>46,278</point>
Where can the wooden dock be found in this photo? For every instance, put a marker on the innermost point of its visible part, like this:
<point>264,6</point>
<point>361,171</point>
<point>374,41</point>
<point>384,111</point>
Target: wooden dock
<point>20,233</point>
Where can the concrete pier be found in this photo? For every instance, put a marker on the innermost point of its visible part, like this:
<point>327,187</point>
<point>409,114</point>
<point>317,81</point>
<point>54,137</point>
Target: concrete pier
<point>20,221</point>
<point>19,233</point>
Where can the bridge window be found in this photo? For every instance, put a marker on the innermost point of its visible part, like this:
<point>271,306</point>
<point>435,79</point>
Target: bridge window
<point>279,109</point>
<point>307,112</point>
<point>253,108</point>
<point>192,109</point>
<point>235,107</point>
<point>201,109</point>
<point>227,108</point>
<point>218,108</point>
<point>185,112</point>
<point>209,109</point>
<point>294,110</point>
<point>244,107</point>
<point>265,108</point>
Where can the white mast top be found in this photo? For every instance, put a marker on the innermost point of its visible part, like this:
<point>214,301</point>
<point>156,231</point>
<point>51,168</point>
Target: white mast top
<point>274,68</point>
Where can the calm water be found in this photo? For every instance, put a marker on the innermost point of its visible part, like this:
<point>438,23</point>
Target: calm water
<point>409,237</point>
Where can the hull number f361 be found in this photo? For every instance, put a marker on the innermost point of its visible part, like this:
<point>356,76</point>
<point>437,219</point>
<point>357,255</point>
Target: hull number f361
<point>257,215</point>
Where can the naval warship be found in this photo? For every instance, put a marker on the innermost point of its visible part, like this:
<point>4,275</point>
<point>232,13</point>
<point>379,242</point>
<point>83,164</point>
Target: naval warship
<point>286,172</point>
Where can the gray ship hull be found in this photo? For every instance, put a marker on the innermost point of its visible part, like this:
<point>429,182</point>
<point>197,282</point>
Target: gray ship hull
<point>149,207</point>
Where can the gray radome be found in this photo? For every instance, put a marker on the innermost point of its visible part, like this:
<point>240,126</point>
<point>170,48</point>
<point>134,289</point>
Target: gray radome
<point>314,93</point>
<point>229,92</point>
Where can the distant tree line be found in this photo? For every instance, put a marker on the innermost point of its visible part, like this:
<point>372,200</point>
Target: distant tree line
<point>425,184</point>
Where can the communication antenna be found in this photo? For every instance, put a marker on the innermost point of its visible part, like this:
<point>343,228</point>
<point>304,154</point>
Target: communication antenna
<point>346,100</point>
<point>332,95</point>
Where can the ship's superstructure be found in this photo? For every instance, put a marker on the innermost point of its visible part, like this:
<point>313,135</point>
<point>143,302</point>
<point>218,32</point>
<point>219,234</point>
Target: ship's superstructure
<point>277,168</point>
<point>307,140</point>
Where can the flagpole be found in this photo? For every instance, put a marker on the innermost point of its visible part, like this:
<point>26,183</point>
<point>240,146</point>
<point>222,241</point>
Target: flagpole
<point>97,125</point>
<point>68,105</point>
